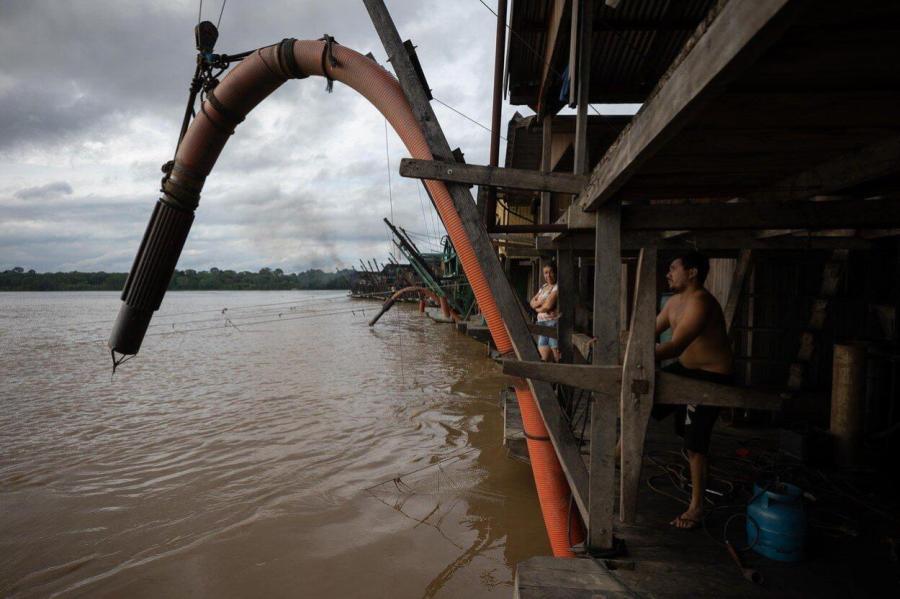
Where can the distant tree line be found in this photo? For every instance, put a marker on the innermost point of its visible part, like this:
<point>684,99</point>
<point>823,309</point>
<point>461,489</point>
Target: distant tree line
<point>18,279</point>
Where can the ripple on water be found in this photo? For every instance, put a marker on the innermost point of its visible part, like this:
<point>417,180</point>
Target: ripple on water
<point>211,446</point>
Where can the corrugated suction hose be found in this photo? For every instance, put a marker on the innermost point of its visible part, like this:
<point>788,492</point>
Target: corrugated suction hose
<point>240,91</point>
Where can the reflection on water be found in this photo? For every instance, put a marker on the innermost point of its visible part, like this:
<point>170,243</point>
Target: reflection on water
<point>279,447</point>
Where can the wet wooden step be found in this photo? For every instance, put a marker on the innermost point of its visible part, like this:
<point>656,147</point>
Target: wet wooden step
<point>559,578</point>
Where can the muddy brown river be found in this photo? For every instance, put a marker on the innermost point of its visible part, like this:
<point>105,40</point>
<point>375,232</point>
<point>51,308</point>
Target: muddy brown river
<point>262,444</point>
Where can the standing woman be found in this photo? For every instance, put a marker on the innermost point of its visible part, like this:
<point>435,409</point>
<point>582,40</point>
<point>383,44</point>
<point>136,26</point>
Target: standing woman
<point>544,303</point>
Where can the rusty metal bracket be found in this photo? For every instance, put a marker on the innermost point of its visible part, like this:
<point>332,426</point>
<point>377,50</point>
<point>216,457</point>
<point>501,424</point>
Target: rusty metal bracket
<point>640,386</point>
<point>417,66</point>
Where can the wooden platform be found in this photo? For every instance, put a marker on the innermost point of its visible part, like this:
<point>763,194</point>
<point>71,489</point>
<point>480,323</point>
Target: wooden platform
<point>663,562</point>
<point>552,578</point>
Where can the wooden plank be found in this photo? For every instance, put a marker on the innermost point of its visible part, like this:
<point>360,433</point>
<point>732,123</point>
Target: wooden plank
<point>851,169</point>
<point>670,389</point>
<point>604,379</point>
<point>679,390</point>
<point>740,33</point>
<point>810,215</point>
<point>537,329</point>
<point>565,301</point>
<point>741,273</point>
<point>491,176</point>
<point>564,442</point>
<point>546,577</point>
<point>607,279</point>
<point>638,369</point>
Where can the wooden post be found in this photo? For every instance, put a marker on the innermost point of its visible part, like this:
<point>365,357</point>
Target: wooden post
<point>546,161</point>
<point>574,75</point>
<point>847,393</point>
<point>563,440</point>
<point>638,382</point>
<point>607,279</point>
<point>565,302</point>
<point>583,81</point>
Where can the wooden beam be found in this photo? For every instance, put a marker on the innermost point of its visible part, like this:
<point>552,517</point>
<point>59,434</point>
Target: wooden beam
<point>574,33</point>
<point>729,239</point>
<point>858,167</point>
<point>741,274</point>
<point>607,279</point>
<point>810,215</point>
<point>724,241</point>
<point>473,174</point>
<point>537,329</point>
<point>670,389</point>
<point>767,220</point>
<point>564,442</point>
<point>638,376</point>
<point>740,33</point>
<point>552,47</point>
<point>603,379</point>
<point>679,390</point>
<point>551,228</point>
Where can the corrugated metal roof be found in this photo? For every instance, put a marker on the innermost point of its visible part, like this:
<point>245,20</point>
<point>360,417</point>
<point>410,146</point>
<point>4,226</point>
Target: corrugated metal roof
<point>633,45</point>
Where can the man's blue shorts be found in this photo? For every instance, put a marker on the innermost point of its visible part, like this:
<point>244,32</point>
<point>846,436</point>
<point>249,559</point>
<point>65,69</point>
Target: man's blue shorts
<point>544,341</point>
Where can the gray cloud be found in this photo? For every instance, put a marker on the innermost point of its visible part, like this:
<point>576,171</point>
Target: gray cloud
<point>96,106</point>
<point>45,191</point>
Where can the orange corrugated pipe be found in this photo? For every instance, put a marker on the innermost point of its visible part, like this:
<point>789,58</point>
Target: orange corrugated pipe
<point>260,74</point>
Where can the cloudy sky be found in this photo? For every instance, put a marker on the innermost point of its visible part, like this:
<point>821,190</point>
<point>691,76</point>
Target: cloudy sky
<point>91,98</point>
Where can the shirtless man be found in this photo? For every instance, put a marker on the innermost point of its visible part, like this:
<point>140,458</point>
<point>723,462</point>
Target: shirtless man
<point>701,345</point>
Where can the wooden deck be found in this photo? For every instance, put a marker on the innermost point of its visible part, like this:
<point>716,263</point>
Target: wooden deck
<point>664,562</point>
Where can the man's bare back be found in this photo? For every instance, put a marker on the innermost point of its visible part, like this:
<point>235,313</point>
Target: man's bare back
<point>699,339</point>
<point>696,317</point>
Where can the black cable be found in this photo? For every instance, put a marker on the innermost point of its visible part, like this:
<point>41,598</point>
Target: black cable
<point>224,2</point>
<point>227,308</point>
<point>467,117</point>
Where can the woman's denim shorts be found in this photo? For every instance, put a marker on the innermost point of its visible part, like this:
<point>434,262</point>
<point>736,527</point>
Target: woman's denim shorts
<point>548,341</point>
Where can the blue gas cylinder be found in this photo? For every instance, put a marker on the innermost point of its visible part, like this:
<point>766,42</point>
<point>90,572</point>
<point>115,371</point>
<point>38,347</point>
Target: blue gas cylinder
<point>777,522</point>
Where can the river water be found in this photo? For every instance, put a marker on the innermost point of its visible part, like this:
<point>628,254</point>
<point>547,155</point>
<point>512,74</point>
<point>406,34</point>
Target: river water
<point>278,448</point>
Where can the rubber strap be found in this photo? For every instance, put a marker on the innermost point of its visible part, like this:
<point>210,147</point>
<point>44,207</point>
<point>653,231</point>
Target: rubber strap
<point>229,115</point>
<point>534,437</point>
<point>329,54</point>
<point>216,124</point>
<point>287,61</point>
